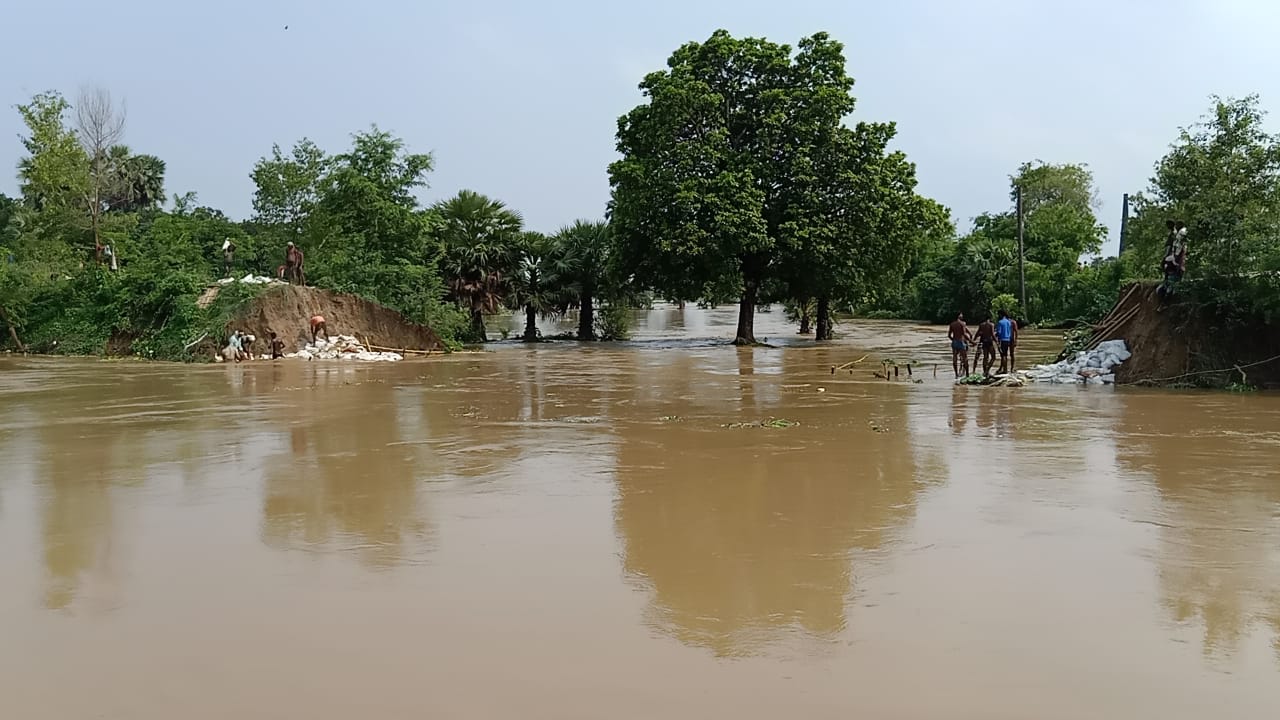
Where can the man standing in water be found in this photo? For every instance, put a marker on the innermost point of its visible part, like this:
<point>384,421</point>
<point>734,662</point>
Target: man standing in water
<point>277,347</point>
<point>1007,334</point>
<point>987,340</point>
<point>958,334</point>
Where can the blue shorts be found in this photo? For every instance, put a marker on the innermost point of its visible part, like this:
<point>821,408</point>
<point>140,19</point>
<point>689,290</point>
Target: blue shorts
<point>959,345</point>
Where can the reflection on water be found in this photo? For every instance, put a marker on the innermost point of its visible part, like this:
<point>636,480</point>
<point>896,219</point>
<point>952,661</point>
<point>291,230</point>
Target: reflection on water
<point>745,535</point>
<point>557,521</point>
<point>1213,460</point>
<point>346,480</point>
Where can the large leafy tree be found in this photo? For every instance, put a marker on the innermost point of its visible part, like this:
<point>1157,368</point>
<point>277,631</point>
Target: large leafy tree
<point>289,187</point>
<point>850,232</point>
<point>357,217</point>
<point>54,175</point>
<point>369,235</point>
<point>1222,178</point>
<point>480,239</point>
<point>707,176</point>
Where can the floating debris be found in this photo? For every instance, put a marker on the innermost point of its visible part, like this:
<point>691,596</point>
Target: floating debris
<point>772,423</point>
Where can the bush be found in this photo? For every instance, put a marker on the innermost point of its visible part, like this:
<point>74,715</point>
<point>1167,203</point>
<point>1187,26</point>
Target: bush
<point>613,322</point>
<point>1008,303</point>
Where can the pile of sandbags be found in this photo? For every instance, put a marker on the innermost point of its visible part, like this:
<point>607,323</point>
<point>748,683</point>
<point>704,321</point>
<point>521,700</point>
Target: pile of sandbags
<point>252,279</point>
<point>1093,367</point>
<point>343,347</point>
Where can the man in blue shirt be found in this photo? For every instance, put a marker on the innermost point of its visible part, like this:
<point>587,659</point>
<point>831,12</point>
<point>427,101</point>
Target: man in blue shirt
<point>1007,334</point>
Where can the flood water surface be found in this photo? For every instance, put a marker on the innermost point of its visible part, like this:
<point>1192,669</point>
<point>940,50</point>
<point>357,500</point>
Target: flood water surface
<point>565,531</point>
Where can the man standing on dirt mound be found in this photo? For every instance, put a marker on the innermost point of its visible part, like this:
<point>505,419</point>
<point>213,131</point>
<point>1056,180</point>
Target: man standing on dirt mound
<point>293,265</point>
<point>1174,265</point>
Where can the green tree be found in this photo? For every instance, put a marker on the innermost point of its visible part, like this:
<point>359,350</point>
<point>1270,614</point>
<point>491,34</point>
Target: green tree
<point>368,236</point>
<point>54,175</point>
<point>851,230</point>
<point>1059,204</point>
<point>481,243</point>
<point>136,182</point>
<point>586,262</point>
<point>709,163</point>
<point>538,286</point>
<point>288,188</point>
<point>1221,177</point>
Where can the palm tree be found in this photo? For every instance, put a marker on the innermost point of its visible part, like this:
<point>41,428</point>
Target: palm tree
<point>480,238</point>
<point>135,182</point>
<point>585,258</point>
<point>538,284</point>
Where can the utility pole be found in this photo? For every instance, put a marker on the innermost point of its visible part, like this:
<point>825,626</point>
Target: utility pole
<point>1022,264</point>
<point>1124,223</point>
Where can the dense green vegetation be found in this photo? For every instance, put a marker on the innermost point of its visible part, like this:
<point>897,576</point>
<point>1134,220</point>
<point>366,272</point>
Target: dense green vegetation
<point>740,179</point>
<point>92,264</point>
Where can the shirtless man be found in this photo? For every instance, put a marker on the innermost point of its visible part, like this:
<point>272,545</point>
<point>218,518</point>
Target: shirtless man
<point>277,347</point>
<point>987,340</point>
<point>318,326</point>
<point>959,336</point>
<point>293,265</point>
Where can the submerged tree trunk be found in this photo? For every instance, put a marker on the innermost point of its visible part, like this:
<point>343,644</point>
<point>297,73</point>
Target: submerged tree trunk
<point>530,323</point>
<point>477,326</point>
<point>806,317</point>
<point>747,314</point>
<point>824,319</point>
<point>587,317</point>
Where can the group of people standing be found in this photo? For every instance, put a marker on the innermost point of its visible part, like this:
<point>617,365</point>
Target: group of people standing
<point>990,336</point>
<point>293,269</point>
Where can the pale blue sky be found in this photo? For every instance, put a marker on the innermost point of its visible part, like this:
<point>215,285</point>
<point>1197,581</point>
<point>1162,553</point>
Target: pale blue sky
<point>520,100</point>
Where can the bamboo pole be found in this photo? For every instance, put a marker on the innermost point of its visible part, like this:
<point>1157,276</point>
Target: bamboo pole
<point>1100,336</point>
<point>847,365</point>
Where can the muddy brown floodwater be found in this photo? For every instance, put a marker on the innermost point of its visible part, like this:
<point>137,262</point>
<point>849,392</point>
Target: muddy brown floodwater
<point>573,532</point>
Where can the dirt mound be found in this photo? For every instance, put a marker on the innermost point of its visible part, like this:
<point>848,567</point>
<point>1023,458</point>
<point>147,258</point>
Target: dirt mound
<point>287,311</point>
<point>1161,348</point>
<point>1179,344</point>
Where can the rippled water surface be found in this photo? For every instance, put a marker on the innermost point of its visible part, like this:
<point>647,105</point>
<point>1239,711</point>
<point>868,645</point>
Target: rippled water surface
<point>565,531</point>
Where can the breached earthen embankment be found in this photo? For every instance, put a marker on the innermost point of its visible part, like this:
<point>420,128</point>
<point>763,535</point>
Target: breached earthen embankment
<point>287,310</point>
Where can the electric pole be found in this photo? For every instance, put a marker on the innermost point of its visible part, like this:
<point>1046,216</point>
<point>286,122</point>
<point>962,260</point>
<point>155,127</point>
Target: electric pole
<point>1124,223</point>
<point>1022,264</point>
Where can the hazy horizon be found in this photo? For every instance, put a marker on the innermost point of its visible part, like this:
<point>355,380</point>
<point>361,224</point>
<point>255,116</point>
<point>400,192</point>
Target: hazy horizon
<point>521,102</point>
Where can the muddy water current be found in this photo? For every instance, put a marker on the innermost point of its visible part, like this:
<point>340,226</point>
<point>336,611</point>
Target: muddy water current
<point>564,531</point>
